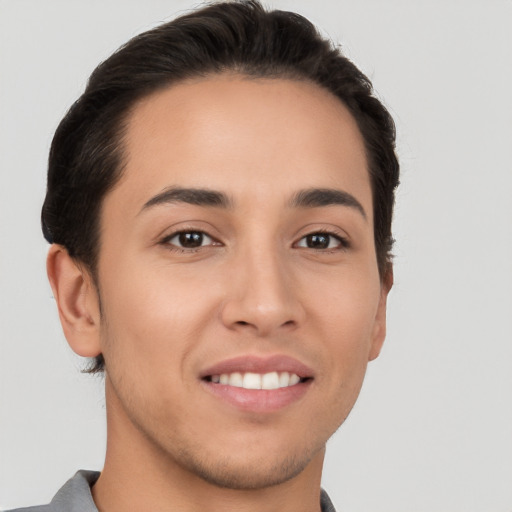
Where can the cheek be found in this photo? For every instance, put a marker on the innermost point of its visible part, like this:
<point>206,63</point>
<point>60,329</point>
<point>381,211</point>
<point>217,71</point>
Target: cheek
<point>347,301</point>
<point>152,315</point>
<point>345,311</point>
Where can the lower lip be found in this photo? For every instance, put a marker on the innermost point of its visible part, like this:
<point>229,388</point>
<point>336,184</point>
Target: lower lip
<point>258,400</point>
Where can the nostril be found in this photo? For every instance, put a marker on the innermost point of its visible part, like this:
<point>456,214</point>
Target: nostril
<point>242,322</point>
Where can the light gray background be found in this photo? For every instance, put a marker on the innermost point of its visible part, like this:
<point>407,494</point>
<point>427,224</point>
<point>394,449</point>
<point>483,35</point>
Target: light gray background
<point>432,430</point>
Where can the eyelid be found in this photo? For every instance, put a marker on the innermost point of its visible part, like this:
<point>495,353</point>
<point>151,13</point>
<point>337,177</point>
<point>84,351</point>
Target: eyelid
<point>309,230</point>
<point>344,241</point>
<point>205,236</point>
<point>166,240</point>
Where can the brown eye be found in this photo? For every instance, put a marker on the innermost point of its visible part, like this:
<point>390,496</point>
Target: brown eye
<point>190,239</point>
<point>321,241</point>
<point>318,241</point>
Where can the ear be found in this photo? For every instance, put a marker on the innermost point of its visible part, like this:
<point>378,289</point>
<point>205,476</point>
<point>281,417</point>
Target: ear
<point>77,302</point>
<point>379,328</point>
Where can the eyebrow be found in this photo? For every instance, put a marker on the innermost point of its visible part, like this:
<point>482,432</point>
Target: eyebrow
<point>307,198</point>
<point>318,197</point>
<point>195,196</point>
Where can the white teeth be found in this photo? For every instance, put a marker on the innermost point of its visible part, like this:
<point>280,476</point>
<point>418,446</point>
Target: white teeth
<point>236,380</point>
<point>284,379</point>
<point>294,379</point>
<point>249,380</point>
<point>270,381</point>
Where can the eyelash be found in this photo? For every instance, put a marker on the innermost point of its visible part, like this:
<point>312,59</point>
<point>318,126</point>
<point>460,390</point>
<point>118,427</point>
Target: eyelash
<point>344,244</point>
<point>166,241</point>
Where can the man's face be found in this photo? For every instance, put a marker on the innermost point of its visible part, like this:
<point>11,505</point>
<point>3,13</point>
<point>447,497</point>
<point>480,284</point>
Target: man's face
<point>237,252</point>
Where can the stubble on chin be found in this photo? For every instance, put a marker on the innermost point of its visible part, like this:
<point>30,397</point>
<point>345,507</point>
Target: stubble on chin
<point>248,475</point>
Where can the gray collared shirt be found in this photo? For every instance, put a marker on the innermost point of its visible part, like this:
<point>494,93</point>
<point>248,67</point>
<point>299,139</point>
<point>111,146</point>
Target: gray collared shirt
<point>75,496</point>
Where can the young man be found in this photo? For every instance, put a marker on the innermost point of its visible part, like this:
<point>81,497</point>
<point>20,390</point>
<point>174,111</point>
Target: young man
<point>219,206</point>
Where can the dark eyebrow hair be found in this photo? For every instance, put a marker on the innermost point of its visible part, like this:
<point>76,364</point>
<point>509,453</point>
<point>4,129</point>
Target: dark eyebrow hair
<point>318,197</point>
<point>308,198</point>
<point>196,196</point>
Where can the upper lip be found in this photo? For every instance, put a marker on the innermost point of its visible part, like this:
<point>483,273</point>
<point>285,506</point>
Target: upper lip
<point>259,364</point>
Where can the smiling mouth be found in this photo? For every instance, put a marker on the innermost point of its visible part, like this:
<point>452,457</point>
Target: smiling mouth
<point>254,384</point>
<point>250,380</point>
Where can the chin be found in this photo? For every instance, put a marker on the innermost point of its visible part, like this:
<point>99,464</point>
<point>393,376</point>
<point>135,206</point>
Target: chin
<point>249,474</point>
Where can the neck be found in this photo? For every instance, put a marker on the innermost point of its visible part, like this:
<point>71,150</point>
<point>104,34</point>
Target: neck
<point>138,476</point>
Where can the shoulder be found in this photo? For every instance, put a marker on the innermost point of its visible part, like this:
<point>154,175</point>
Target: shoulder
<point>74,496</point>
<point>325,502</point>
<point>40,508</point>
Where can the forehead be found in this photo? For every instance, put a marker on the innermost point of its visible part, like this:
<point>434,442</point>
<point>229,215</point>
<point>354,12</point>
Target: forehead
<point>252,136</point>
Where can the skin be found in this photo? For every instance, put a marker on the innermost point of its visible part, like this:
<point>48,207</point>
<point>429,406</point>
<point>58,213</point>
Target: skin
<point>254,287</point>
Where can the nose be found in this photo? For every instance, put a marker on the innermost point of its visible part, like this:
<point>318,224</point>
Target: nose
<point>262,297</point>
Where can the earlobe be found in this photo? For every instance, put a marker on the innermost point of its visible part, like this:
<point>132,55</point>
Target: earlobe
<point>379,329</point>
<point>77,302</point>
